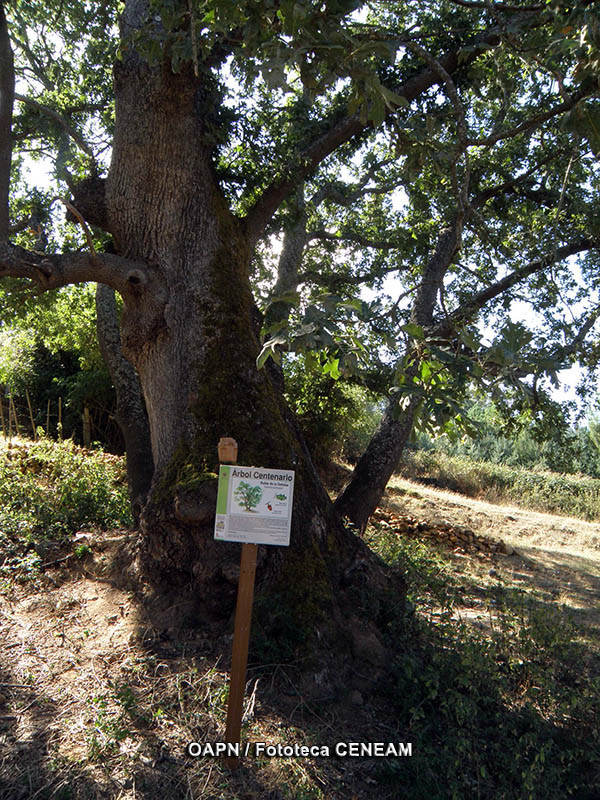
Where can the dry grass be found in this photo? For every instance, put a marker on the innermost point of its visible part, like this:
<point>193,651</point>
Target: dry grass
<point>557,558</point>
<point>96,703</point>
<point>540,490</point>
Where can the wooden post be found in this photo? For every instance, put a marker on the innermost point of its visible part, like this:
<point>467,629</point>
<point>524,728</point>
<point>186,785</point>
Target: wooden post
<point>241,629</point>
<point>2,417</point>
<point>241,639</point>
<point>59,427</point>
<point>14,411</point>
<point>9,421</point>
<point>48,419</point>
<point>87,427</point>
<point>30,414</point>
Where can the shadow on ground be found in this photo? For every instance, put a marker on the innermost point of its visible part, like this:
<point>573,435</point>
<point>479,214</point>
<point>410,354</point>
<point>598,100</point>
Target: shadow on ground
<point>100,701</point>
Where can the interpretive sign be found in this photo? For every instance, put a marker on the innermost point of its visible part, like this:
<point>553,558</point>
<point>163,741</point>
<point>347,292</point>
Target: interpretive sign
<point>254,505</point>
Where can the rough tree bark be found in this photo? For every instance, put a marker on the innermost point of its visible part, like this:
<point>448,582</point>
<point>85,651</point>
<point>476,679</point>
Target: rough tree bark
<point>131,411</point>
<point>295,240</point>
<point>189,328</point>
<point>7,91</point>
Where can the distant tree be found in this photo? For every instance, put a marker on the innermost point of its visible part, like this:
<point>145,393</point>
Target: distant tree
<point>594,431</point>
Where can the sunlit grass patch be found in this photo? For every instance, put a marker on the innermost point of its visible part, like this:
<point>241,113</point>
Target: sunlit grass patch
<point>48,491</point>
<point>551,492</point>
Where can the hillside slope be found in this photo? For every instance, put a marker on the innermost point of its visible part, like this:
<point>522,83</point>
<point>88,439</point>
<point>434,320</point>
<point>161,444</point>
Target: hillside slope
<point>555,557</point>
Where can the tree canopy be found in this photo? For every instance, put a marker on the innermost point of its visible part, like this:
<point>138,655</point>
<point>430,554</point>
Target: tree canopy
<point>403,193</point>
<point>396,123</point>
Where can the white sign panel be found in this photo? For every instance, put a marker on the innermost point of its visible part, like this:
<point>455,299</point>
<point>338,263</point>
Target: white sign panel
<point>254,505</point>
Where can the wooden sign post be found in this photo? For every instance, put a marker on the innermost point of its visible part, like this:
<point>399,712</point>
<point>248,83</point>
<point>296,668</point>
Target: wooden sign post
<point>254,506</point>
<point>239,657</point>
<point>241,629</point>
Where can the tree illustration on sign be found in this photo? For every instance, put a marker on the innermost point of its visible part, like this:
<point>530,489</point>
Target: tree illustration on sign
<point>248,496</point>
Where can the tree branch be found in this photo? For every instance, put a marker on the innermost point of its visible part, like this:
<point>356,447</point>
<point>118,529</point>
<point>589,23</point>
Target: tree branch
<point>345,195</point>
<point>19,226</point>
<point>355,238</point>
<point>497,6</point>
<point>340,132</point>
<point>54,271</point>
<point>451,90</point>
<point>340,279</point>
<point>559,355</point>
<point>571,348</point>
<point>461,121</point>
<point>50,112</point>
<point>477,301</point>
<point>432,284</point>
<point>514,185</point>
<point>37,69</point>
<point>530,123</point>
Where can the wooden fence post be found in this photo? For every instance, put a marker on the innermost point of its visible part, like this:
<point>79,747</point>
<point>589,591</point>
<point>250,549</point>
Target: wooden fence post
<point>31,414</point>
<point>87,427</point>
<point>14,412</point>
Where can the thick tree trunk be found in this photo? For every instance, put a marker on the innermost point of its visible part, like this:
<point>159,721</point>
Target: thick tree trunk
<point>131,412</point>
<point>363,492</point>
<point>190,330</point>
<point>295,240</point>
<point>7,90</point>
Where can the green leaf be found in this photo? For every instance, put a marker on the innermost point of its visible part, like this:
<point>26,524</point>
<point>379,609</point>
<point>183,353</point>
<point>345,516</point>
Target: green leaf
<point>262,357</point>
<point>471,339</point>
<point>332,368</point>
<point>377,111</point>
<point>293,298</point>
<point>443,355</point>
<point>414,330</point>
<point>393,100</point>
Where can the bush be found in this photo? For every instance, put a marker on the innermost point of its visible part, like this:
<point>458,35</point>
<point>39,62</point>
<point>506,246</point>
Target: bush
<point>554,445</point>
<point>337,418</point>
<point>508,713</point>
<point>33,373</point>
<point>48,490</point>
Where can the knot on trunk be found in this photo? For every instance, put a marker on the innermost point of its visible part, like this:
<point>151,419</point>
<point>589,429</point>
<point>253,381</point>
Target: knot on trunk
<point>196,506</point>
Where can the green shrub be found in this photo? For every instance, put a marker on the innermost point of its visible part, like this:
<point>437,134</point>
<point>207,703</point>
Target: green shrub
<point>336,417</point>
<point>511,712</point>
<point>38,377</point>
<point>48,490</point>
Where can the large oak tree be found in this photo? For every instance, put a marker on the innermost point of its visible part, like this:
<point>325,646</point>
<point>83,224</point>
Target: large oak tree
<point>224,114</point>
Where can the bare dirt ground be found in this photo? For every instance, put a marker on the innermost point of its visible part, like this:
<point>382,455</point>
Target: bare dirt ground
<point>554,558</point>
<point>96,702</point>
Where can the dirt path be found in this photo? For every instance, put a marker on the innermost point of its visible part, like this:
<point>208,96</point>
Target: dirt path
<point>555,558</point>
